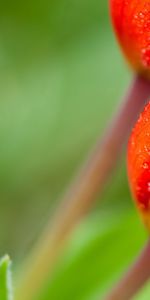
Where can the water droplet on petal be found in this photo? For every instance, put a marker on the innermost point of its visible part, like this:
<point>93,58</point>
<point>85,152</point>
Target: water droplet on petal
<point>145,165</point>
<point>148,186</point>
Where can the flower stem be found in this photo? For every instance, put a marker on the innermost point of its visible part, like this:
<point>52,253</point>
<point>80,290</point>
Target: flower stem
<point>135,278</point>
<point>83,192</point>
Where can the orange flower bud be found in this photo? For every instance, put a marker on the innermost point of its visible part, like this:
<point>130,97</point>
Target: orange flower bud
<point>131,20</point>
<point>139,164</point>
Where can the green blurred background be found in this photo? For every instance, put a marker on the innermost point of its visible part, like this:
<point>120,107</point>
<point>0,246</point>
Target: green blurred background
<point>61,78</point>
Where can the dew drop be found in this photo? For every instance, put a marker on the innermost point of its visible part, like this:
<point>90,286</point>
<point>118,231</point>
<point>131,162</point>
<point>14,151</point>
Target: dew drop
<point>132,143</point>
<point>145,165</point>
<point>148,187</point>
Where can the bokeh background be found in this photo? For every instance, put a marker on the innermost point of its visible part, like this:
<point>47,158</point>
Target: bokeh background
<point>61,78</point>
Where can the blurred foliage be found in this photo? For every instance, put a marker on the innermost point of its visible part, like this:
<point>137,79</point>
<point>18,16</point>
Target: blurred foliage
<point>61,78</point>
<point>97,255</point>
<point>5,279</point>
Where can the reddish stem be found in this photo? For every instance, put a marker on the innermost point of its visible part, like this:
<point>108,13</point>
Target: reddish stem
<point>83,192</point>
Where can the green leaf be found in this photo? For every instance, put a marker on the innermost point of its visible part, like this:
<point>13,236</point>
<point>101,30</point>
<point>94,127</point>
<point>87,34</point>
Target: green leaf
<point>99,252</point>
<point>5,279</point>
<point>144,293</point>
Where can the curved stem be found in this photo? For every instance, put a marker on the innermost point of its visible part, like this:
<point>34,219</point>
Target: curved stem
<point>83,192</point>
<point>134,280</point>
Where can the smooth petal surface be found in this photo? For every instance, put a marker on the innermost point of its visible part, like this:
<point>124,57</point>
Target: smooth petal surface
<point>131,19</point>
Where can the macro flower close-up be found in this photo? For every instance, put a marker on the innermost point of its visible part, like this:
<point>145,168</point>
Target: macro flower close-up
<point>132,25</point>
<point>75,150</point>
<point>139,164</point>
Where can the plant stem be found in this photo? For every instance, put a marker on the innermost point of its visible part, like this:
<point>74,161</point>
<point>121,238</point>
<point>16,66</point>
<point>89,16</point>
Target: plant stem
<point>134,280</point>
<point>83,192</point>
